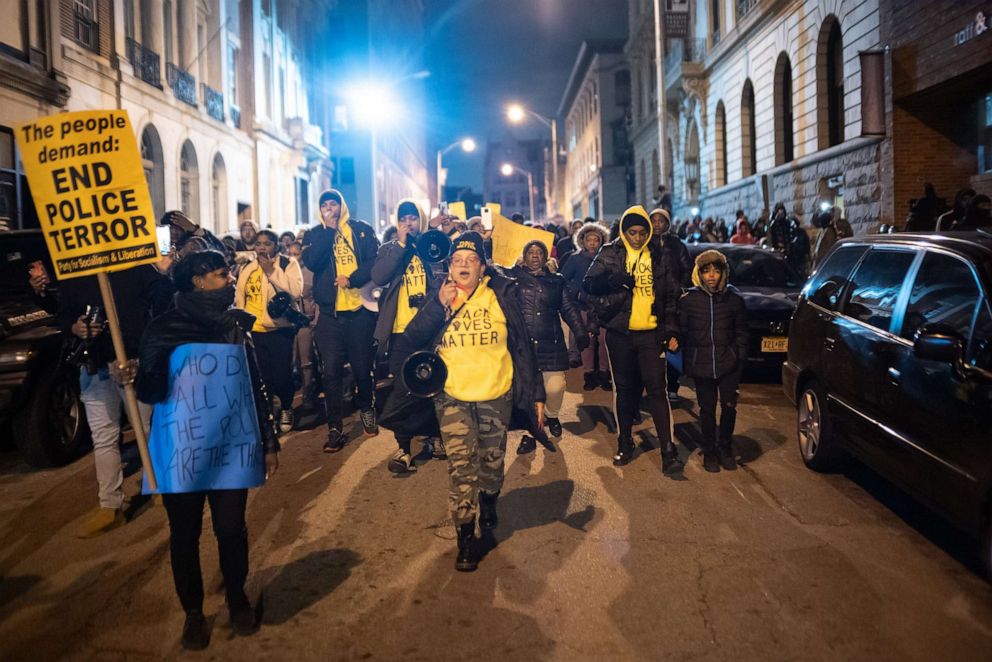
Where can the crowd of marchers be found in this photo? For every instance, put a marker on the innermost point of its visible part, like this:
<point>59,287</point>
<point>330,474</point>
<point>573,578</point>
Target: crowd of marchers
<point>331,317</point>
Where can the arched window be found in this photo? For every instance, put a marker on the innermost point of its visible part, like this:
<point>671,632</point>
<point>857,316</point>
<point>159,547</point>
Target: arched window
<point>749,149</point>
<point>189,182</point>
<point>218,193</point>
<point>151,162</point>
<point>784,145</point>
<point>830,84</point>
<point>720,133</point>
<point>692,164</point>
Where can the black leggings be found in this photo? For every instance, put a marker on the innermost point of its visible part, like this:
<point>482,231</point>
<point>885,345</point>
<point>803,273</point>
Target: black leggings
<point>636,359</point>
<point>274,350</point>
<point>706,395</point>
<point>346,338</point>
<point>227,510</point>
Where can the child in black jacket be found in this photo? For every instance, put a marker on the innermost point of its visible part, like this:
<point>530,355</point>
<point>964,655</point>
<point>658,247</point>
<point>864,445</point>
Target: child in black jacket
<point>714,328</point>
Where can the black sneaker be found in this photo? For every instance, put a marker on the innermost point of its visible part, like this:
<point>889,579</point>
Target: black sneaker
<point>335,441</point>
<point>670,462</point>
<point>625,453</point>
<point>590,381</point>
<point>196,633</point>
<point>711,462</point>
<point>554,427</point>
<point>437,448</point>
<point>727,459</point>
<point>245,621</point>
<point>527,445</point>
<point>401,462</point>
<point>368,422</point>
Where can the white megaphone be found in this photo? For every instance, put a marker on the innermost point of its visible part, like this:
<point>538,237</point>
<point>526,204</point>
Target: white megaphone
<point>370,293</point>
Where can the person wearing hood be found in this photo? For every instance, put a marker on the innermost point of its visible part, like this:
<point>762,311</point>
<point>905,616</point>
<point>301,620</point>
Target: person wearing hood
<point>475,324</point>
<point>401,273</point>
<point>258,283</point>
<point>713,320</point>
<point>635,290</point>
<point>202,313</point>
<point>595,359</point>
<point>545,302</point>
<point>340,254</point>
<point>976,215</point>
<point>742,232</point>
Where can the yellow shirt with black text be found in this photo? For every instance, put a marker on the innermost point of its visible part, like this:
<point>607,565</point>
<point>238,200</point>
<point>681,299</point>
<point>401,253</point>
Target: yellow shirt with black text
<point>414,282</point>
<point>475,348</point>
<point>639,266</point>
<point>255,296</point>
<point>346,262</point>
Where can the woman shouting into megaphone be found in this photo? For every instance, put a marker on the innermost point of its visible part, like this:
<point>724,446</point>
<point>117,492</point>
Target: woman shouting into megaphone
<point>476,324</point>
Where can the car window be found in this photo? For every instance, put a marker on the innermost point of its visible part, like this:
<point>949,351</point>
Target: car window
<point>944,292</point>
<point>876,285</point>
<point>826,285</point>
<point>758,269</point>
<point>980,347</point>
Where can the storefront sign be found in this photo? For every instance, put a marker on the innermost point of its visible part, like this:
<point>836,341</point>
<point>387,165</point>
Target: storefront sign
<point>980,25</point>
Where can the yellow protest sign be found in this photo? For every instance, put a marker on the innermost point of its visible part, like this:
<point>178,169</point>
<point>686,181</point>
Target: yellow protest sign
<point>89,188</point>
<point>509,239</point>
<point>458,209</point>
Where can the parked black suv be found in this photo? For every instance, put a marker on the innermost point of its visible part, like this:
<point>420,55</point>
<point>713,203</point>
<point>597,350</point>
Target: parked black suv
<point>890,358</point>
<point>39,395</point>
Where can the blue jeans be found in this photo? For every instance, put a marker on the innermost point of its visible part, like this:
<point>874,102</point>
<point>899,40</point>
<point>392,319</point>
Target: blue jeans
<point>102,398</point>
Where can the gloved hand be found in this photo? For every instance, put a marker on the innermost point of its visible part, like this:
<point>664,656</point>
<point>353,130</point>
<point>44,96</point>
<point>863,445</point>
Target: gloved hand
<point>622,279</point>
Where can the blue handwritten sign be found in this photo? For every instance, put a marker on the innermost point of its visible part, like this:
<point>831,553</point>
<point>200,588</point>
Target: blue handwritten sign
<point>205,435</point>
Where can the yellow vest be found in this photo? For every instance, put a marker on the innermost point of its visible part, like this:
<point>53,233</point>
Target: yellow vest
<point>414,282</point>
<point>255,296</point>
<point>476,349</point>
<point>639,266</point>
<point>346,262</point>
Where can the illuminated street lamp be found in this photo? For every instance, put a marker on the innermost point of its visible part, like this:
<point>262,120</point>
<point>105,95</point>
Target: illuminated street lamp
<point>507,169</point>
<point>517,114</point>
<point>467,145</point>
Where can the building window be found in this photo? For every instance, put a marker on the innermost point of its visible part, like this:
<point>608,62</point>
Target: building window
<point>784,145</point>
<point>347,171</point>
<point>749,150</point>
<point>167,16</point>
<point>129,19</point>
<point>302,201</point>
<point>832,73</point>
<point>86,32</point>
<point>692,184</point>
<point>218,193</point>
<point>189,181</point>
<point>720,133</point>
<point>151,161</point>
<point>233,55</point>
<point>715,11</point>
<point>16,208</point>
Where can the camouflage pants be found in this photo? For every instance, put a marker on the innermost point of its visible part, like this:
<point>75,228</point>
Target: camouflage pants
<point>474,436</point>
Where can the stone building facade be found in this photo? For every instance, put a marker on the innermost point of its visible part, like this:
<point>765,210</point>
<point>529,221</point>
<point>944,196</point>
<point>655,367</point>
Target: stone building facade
<point>763,104</point>
<point>217,91</point>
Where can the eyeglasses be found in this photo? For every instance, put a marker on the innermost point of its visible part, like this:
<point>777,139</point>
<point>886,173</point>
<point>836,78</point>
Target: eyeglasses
<point>465,262</point>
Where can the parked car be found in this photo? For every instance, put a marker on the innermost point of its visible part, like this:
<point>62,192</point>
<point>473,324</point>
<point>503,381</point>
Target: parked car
<point>890,359</point>
<point>39,395</point>
<point>770,287</point>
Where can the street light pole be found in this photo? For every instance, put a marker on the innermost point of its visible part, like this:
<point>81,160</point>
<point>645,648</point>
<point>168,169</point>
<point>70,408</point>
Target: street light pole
<point>554,167</point>
<point>530,193</point>
<point>516,113</point>
<point>438,199</point>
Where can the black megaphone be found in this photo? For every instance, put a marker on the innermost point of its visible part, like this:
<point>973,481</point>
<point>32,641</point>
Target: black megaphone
<point>424,374</point>
<point>433,246</point>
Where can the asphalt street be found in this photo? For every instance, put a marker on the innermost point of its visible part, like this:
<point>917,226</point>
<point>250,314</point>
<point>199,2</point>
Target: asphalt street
<point>770,562</point>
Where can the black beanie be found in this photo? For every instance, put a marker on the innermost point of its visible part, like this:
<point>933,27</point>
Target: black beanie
<point>630,220</point>
<point>329,195</point>
<point>470,241</point>
<point>407,209</point>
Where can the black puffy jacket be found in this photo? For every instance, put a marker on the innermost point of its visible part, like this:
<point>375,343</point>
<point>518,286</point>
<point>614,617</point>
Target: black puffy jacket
<point>187,323</point>
<point>545,302</point>
<point>318,256</point>
<point>714,332</point>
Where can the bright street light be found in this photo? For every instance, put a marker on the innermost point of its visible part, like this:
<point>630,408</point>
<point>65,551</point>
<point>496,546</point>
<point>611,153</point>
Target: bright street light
<point>694,211</point>
<point>372,103</point>
<point>468,145</point>
<point>507,169</point>
<point>515,113</point>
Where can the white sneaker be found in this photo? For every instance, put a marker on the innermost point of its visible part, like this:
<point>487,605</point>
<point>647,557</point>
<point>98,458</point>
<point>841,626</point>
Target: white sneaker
<point>286,421</point>
<point>401,462</point>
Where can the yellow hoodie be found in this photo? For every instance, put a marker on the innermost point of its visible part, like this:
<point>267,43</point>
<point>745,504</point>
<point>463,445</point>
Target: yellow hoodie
<point>345,261</point>
<point>640,267</point>
<point>414,279</point>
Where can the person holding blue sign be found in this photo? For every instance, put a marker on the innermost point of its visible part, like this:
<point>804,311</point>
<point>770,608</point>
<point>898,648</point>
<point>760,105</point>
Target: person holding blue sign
<point>212,432</point>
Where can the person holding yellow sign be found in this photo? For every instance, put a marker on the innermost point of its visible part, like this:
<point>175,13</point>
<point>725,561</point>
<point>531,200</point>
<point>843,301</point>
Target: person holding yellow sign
<point>635,293</point>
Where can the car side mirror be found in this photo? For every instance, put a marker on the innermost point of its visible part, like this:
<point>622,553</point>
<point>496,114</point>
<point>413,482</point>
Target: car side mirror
<point>939,342</point>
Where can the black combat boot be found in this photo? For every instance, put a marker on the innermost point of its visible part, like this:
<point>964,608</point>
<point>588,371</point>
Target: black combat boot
<point>488,519</point>
<point>670,462</point>
<point>625,451</point>
<point>727,459</point>
<point>467,560</point>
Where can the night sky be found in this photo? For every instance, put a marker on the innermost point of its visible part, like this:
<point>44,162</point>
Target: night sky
<point>484,53</point>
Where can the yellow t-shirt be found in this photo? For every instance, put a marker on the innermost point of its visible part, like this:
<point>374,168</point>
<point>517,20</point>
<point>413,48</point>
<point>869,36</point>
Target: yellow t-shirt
<point>639,266</point>
<point>414,282</point>
<point>346,263</point>
<point>476,351</point>
<point>255,297</point>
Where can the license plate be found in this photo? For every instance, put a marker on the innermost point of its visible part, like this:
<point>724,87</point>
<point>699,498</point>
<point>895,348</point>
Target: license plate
<point>774,344</point>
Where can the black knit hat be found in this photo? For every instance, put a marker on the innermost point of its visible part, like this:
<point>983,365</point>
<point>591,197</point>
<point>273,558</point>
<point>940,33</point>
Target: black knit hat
<point>470,241</point>
<point>330,194</point>
<point>407,209</point>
